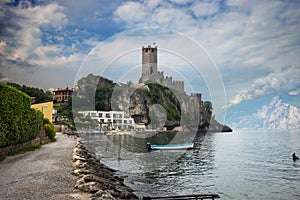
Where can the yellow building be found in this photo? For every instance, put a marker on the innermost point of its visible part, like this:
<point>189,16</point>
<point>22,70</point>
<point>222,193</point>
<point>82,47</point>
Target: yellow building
<point>46,108</point>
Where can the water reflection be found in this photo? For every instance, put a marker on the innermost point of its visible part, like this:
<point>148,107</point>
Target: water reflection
<point>244,165</point>
<point>192,167</point>
<point>159,172</point>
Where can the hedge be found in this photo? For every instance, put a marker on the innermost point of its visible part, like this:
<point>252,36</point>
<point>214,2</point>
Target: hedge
<point>18,122</point>
<point>49,128</point>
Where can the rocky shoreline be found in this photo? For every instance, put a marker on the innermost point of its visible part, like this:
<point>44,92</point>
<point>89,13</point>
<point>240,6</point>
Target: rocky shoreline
<point>96,178</point>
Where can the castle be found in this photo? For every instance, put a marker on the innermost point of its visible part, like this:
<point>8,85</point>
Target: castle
<point>150,72</point>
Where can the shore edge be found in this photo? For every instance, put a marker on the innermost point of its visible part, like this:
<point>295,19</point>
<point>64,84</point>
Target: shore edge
<point>97,179</point>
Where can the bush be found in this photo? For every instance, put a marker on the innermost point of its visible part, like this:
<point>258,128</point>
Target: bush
<point>50,131</point>
<point>18,122</point>
<point>47,121</point>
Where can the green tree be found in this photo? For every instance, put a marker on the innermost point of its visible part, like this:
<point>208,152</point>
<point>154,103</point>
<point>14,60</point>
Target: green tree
<point>207,105</point>
<point>39,94</point>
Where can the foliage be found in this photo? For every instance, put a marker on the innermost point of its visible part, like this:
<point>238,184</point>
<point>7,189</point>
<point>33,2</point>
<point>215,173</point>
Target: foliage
<point>49,128</point>
<point>103,97</point>
<point>104,91</point>
<point>39,94</point>
<point>46,121</point>
<point>50,131</point>
<point>65,109</point>
<point>207,105</point>
<point>159,94</point>
<point>18,122</point>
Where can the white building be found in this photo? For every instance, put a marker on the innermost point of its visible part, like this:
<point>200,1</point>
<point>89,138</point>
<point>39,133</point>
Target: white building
<point>111,118</point>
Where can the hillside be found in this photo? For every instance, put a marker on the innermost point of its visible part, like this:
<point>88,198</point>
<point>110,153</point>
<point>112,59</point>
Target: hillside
<point>151,104</point>
<point>39,94</point>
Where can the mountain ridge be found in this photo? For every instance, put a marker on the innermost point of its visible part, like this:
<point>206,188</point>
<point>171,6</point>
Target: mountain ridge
<point>269,112</point>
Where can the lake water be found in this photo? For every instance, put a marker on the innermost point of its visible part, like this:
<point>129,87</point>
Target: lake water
<point>238,165</point>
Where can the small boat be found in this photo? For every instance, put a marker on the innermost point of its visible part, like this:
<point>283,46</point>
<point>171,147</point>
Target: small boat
<point>184,146</point>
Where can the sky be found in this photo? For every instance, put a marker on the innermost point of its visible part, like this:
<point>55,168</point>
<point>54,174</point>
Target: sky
<point>232,50</point>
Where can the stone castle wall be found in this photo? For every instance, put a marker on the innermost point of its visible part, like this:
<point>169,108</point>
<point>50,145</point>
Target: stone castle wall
<point>150,72</point>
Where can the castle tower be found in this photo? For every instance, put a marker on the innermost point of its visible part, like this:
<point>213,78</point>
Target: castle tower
<point>149,63</point>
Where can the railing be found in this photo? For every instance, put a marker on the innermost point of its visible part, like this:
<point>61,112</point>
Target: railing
<point>186,197</point>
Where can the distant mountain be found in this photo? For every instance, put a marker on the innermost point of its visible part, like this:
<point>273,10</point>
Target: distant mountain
<point>278,112</point>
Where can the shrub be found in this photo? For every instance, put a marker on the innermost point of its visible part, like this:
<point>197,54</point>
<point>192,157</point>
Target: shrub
<point>50,131</point>
<point>47,121</point>
<point>18,122</point>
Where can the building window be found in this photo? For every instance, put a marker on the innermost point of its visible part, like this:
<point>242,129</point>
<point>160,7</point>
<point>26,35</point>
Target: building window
<point>117,121</point>
<point>107,115</point>
<point>117,115</point>
<point>100,114</point>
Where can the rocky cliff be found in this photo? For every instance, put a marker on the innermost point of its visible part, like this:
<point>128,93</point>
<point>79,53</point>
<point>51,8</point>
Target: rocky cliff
<point>152,104</point>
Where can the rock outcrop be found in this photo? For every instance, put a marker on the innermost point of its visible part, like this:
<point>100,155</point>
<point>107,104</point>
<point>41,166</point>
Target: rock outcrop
<point>151,104</point>
<point>96,178</point>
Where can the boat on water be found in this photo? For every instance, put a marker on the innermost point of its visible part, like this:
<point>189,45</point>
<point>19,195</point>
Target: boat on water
<point>183,146</point>
<point>119,132</point>
<point>90,131</point>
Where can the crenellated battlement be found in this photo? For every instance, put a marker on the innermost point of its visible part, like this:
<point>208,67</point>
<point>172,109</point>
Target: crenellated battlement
<point>197,96</point>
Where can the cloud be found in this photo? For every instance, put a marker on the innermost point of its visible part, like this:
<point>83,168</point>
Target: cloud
<point>144,14</point>
<point>251,42</point>
<point>239,35</point>
<point>181,2</point>
<point>286,80</point>
<point>23,31</point>
<point>26,48</point>
<point>131,12</point>
<point>202,9</point>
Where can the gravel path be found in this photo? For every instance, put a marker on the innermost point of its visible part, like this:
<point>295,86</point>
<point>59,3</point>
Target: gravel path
<point>41,174</point>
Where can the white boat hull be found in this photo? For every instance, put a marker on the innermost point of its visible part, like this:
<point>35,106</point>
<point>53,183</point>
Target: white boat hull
<point>172,146</point>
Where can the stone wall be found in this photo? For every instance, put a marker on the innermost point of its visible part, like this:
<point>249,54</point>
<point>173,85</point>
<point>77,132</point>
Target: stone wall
<point>40,139</point>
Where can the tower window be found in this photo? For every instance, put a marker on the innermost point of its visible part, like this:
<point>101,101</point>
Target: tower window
<point>152,50</point>
<point>146,50</point>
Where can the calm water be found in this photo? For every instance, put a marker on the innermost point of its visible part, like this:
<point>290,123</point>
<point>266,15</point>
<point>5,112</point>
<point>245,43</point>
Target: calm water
<point>239,165</point>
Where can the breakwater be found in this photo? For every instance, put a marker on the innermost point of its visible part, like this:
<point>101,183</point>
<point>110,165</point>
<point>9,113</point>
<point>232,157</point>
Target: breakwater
<point>96,178</point>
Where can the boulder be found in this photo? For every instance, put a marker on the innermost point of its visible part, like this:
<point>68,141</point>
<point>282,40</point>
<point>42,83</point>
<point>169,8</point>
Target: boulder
<point>91,187</point>
<point>79,164</point>
<point>78,158</point>
<point>78,172</point>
